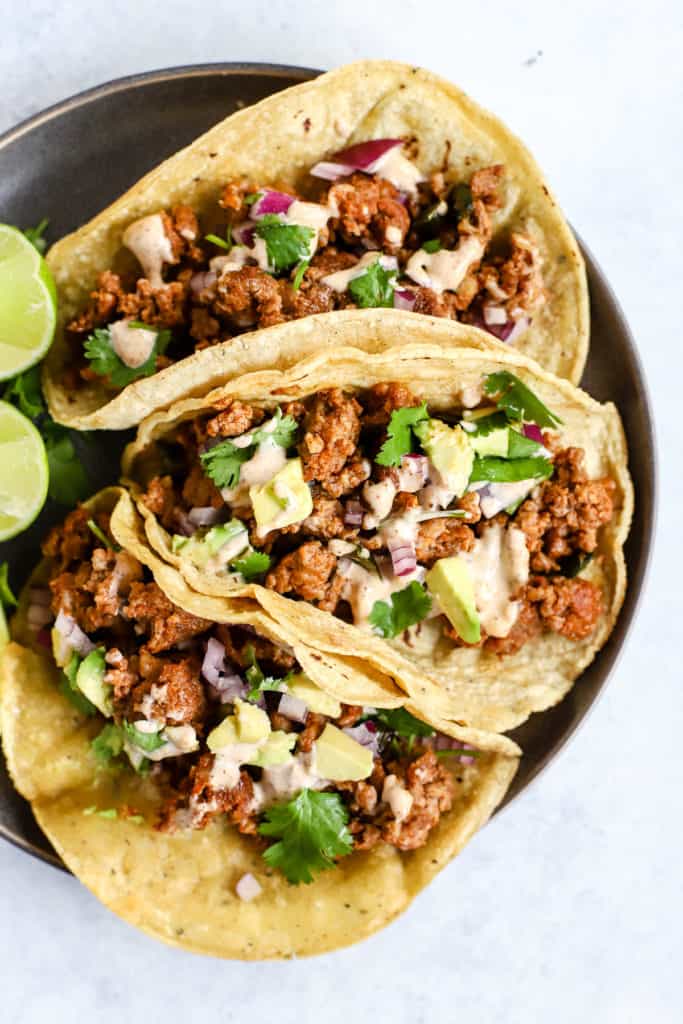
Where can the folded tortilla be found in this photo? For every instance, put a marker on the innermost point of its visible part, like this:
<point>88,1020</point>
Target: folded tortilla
<point>489,692</point>
<point>180,887</point>
<point>276,142</point>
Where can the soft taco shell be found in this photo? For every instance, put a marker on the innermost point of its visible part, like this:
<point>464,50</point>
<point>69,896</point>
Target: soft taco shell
<point>181,888</point>
<point>277,141</point>
<point>489,692</point>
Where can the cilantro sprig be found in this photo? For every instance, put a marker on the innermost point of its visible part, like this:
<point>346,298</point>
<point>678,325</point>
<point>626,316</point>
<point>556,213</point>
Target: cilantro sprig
<point>224,461</point>
<point>257,680</point>
<point>36,235</point>
<point>147,741</point>
<point>286,244</point>
<point>407,607</point>
<point>104,361</point>
<point>254,564</point>
<point>399,434</point>
<point>402,723</point>
<point>517,401</point>
<point>311,831</point>
<point>374,288</point>
<point>7,598</point>
<point>495,469</point>
<point>108,743</point>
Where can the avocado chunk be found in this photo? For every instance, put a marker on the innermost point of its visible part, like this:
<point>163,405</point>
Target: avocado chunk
<point>339,758</point>
<point>494,443</point>
<point>252,724</point>
<point>90,681</point>
<point>450,451</point>
<point>451,583</point>
<point>224,735</point>
<point>313,697</point>
<point>61,648</point>
<point>284,500</point>
<point>276,750</point>
<point>200,549</point>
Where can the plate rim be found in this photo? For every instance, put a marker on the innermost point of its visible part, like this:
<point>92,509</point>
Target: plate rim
<point>233,69</point>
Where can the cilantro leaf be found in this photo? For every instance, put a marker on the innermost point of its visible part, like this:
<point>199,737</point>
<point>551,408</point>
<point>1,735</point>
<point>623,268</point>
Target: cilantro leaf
<point>222,243</point>
<point>252,565</point>
<point>498,470</point>
<point>105,362</point>
<point>517,401</point>
<point>407,607</point>
<point>286,244</point>
<point>519,446</point>
<point>101,536</point>
<point>108,743</point>
<point>282,433</point>
<point>147,741</point>
<point>7,598</point>
<point>432,246</point>
<point>258,682</point>
<point>299,276</point>
<point>311,830</point>
<point>223,463</point>
<point>374,288</point>
<point>26,394</point>
<point>485,425</point>
<point>35,235</point>
<point>401,722</point>
<point>399,431</point>
<point>68,479</point>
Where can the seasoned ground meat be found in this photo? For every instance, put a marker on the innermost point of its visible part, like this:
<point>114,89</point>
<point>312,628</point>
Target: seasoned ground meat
<point>204,328</point>
<point>104,302</point>
<point>238,643</point>
<point>312,729</point>
<point>200,491</point>
<point>309,299</point>
<point>370,210</point>
<point>160,498</point>
<point>72,539</point>
<point>305,572</point>
<point>331,430</point>
<point>441,538</point>
<point>167,625</point>
<point>485,183</point>
<point>237,418</point>
<point>432,788</point>
<point>247,298</point>
<point>349,716</point>
<point>527,626</point>
<point>163,307</point>
<point>177,691</point>
<point>383,399</point>
<point>570,607</point>
<point>326,520</point>
<point>203,802</point>
<point>565,515</point>
<point>354,473</point>
<point>121,674</point>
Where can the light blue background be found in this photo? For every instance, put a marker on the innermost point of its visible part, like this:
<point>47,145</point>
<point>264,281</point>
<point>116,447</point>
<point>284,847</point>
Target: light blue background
<point>568,907</point>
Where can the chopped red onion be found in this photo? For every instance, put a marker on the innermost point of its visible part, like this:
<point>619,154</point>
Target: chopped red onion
<point>204,515</point>
<point>364,156</point>
<point>183,523</point>
<point>202,280</point>
<point>271,201</point>
<point>353,513</point>
<point>69,629</point>
<point>227,684</point>
<point>404,299</point>
<point>244,234</point>
<point>534,433</point>
<point>508,331</point>
<point>248,888</point>
<point>448,743</point>
<point>40,595</point>
<point>494,315</point>
<point>292,708</point>
<point>366,734</point>
<point>403,558</point>
<point>43,638</point>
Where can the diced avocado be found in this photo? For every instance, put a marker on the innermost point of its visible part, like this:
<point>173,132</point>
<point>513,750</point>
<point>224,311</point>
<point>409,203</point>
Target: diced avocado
<point>224,735</point>
<point>199,549</point>
<point>61,649</point>
<point>450,451</point>
<point>451,583</point>
<point>252,724</point>
<point>341,759</point>
<point>495,443</point>
<point>90,681</point>
<point>313,697</point>
<point>276,750</point>
<point>284,500</point>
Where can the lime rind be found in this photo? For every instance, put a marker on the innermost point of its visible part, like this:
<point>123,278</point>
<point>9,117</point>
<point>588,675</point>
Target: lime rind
<point>24,472</point>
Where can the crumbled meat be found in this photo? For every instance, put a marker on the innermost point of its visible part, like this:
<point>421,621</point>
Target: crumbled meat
<point>121,674</point>
<point>440,538</point>
<point>94,594</point>
<point>248,297</point>
<point>199,490</point>
<point>166,624</point>
<point>356,470</point>
<point>331,431</point>
<point>484,185</point>
<point>383,399</point>
<point>204,328</point>
<point>570,607</point>
<point>527,626</point>
<point>326,520</point>
<point>312,729</point>
<point>104,301</point>
<point>370,210</point>
<point>266,652</point>
<point>160,498</point>
<point>563,517</point>
<point>306,572</point>
<point>237,418</point>
<point>349,716</point>
<point>162,307</point>
<point>72,539</point>
<point>178,693</point>
<point>204,802</point>
<point>432,788</point>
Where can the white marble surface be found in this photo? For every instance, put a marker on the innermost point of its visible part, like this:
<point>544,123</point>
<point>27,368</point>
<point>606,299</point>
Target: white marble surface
<point>569,906</point>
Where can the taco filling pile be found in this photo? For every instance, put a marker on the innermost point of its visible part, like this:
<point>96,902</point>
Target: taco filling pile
<point>226,723</point>
<point>375,233</point>
<point>377,511</point>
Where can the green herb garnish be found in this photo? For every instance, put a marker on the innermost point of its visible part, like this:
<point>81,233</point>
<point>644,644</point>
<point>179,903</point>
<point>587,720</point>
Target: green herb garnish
<point>495,469</point>
<point>286,244</point>
<point>399,434</point>
<point>374,288</point>
<point>7,598</point>
<point>252,565</point>
<point>312,832</point>
<point>36,235</point>
<point>104,361</point>
<point>434,245</point>
<point>223,462</point>
<point>407,607</point>
<point>517,401</point>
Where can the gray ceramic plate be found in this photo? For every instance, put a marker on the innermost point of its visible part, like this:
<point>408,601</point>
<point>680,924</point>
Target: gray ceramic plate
<point>75,158</point>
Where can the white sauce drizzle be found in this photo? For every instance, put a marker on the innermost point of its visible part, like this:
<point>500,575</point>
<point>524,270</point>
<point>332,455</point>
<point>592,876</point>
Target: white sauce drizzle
<point>399,170</point>
<point>446,269</point>
<point>151,246</point>
<point>499,563</point>
<point>380,498</point>
<point>133,345</point>
<point>341,279</point>
<point>397,796</point>
<point>283,781</point>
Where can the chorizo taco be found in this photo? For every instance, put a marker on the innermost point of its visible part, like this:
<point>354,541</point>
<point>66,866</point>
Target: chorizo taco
<point>457,517</point>
<point>376,185</point>
<point>211,783</point>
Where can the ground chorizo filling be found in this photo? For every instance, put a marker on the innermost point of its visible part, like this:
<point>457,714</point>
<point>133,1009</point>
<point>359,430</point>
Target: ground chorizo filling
<point>226,721</point>
<point>372,509</point>
<point>380,237</point>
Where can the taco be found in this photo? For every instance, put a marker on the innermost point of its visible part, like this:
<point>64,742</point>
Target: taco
<point>376,185</point>
<point>212,784</point>
<point>456,517</point>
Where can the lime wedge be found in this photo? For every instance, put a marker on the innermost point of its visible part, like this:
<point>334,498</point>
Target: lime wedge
<point>28,303</point>
<point>24,473</point>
